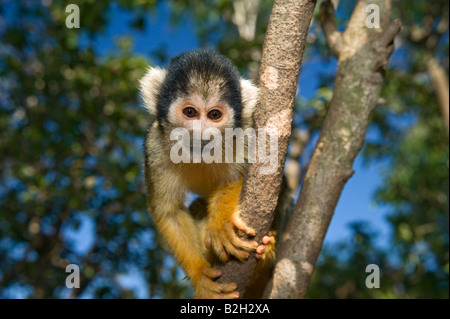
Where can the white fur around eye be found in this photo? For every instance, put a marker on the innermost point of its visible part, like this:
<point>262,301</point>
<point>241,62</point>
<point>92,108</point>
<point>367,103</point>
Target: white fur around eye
<point>250,94</point>
<point>231,117</point>
<point>171,114</point>
<point>150,85</point>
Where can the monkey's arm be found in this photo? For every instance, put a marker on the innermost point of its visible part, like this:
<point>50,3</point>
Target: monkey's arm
<point>223,215</point>
<point>184,239</point>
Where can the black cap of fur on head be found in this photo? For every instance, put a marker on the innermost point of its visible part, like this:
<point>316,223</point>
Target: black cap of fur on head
<point>203,72</point>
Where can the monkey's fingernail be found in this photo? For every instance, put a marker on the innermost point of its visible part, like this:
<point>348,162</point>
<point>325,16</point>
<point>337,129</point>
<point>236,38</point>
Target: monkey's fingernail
<point>224,256</point>
<point>255,244</point>
<point>236,295</point>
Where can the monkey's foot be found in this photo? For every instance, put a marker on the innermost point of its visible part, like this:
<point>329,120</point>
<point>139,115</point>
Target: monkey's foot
<point>266,251</point>
<point>207,288</point>
<point>224,240</point>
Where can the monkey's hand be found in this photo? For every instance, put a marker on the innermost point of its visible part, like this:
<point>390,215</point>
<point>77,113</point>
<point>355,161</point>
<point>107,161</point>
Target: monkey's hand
<point>223,216</point>
<point>207,288</point>
<point>266,251</point>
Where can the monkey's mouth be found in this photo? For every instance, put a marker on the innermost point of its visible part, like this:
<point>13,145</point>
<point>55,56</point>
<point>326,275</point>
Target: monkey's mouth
<point>197,146</point>
<point>200,145</point>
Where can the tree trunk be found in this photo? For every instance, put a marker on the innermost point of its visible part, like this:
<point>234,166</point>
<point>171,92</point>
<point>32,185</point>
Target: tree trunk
<point>363,54</point>
<point>281,59</point>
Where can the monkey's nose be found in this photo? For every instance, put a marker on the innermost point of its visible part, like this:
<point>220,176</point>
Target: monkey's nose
<point>199,145</point>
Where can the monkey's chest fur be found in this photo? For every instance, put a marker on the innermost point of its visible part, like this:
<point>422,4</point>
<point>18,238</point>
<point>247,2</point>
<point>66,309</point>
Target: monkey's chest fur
<point>202,179</point>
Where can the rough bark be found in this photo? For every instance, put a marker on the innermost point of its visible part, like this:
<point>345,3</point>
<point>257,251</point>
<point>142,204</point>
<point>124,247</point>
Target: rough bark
<point>363,54</point>
<point>281,59</point>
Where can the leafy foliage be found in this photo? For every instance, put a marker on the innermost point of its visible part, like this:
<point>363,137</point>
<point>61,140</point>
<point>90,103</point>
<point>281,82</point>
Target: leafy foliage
<point>71,146</point>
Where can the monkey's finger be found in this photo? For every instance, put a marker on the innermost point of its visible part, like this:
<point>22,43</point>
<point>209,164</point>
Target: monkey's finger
<point>237,221</point>
<point>213,290</point>
<point>232,250</point>
<point>260,251</point>
<point>267,240</point>
<point>266,250</point>
<point>226,291</point>
<point>208,242</point>
<point>212,273</point>
<point>223,247</point>
<point>238,242</point>
<point>219,249</point>
<point>236,246</point>
<point>218,288</point>
<point>227,288</point>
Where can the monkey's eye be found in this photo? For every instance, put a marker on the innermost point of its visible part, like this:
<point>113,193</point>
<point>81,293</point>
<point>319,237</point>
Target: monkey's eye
<point>214,115</point>
<point>190,112</point>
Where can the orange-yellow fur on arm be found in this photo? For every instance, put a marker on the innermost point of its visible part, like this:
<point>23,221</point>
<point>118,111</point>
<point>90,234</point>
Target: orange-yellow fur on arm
<point>179,229</point>
<point>181,235</point>
<point>223,216</point>
<point>223,212</point>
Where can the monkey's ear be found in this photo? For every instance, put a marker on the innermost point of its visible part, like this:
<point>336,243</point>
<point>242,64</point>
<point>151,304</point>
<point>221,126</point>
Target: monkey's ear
<point>150,85</point>
<point>250,94</point>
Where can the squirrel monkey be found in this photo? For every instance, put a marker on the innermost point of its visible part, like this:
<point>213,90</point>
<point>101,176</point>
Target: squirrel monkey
<point>204,87</point>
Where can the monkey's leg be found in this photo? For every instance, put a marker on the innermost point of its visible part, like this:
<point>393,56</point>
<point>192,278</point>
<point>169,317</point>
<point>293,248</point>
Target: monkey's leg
<point>223,215</point>
<point>182,236</point>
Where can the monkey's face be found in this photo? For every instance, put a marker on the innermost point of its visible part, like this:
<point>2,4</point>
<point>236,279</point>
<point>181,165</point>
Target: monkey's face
<point>200,91</point>
<point>201,116</point>
<point>210,112</point>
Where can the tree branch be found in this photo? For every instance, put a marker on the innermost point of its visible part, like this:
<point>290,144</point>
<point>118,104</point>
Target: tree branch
<point>293,168</point>
<point>440,82</point>
<point>328,22</point>
<point>244,17</point>
<point>358,82</point>
<point>281,59</point>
